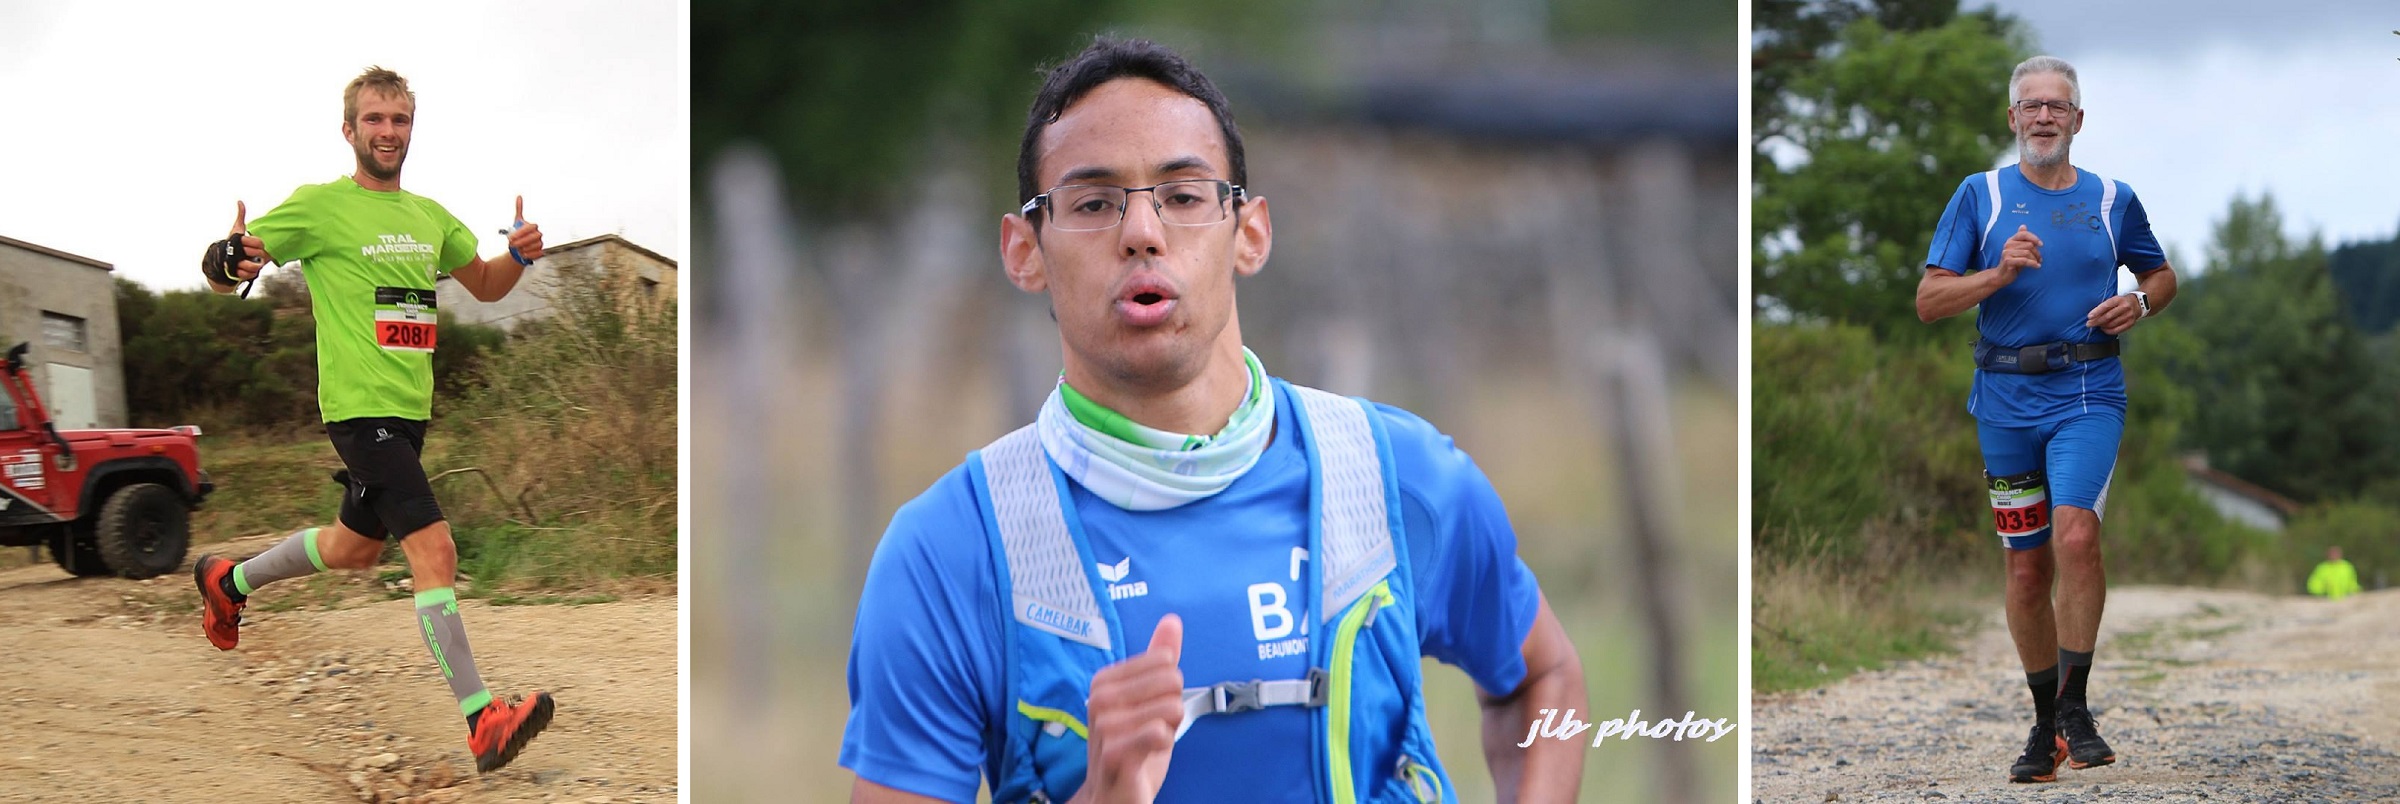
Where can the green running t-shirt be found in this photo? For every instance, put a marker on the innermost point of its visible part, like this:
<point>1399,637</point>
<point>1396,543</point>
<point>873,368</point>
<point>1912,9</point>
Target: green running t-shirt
<point>370,259</point>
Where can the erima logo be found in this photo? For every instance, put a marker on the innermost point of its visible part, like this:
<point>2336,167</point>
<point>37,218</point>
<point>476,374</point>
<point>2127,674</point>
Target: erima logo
<point>1114,573</point>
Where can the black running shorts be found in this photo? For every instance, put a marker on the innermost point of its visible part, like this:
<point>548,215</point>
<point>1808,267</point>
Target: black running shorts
<point>387,495</point>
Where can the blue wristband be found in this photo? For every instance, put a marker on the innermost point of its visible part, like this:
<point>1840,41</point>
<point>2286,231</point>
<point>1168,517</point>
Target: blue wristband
<point>512,250</point>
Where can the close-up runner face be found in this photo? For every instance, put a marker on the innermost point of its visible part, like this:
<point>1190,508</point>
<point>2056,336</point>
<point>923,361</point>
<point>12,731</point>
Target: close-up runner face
<point>2044,135</point>
<point>1144,299</point>
<point>380,132</point>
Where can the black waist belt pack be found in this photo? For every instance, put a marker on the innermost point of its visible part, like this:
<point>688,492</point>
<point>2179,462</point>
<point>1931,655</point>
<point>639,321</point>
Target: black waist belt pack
<point>2040,358</point>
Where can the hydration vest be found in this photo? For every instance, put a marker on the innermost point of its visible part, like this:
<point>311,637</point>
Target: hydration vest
<point>1368,732</point>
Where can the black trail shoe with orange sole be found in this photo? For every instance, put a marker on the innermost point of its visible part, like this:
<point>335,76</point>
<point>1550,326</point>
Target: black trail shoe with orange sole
<point>2085,749</point>
<point>2044,749</point>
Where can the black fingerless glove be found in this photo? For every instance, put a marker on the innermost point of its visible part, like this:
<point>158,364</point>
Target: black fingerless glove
<point>219,261</point>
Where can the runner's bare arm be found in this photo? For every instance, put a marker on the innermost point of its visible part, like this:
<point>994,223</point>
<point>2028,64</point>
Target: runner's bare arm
<point>490,280</point>
<point>1548,770</point>
<point>2159,283</point>
<point>866,792</point>
<point>2121,312</point>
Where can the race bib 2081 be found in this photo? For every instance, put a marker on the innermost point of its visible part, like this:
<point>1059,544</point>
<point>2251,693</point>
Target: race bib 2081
<point>404,319</point>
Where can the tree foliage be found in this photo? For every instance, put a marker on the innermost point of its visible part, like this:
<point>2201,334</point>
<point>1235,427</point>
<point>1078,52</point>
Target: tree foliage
<point>2367,276</point>
<point>192,356</point>
<point>1865,143</point>
<point>843,92</point>
<point>224,362</point>
<point>1789,36</point>
<point>2294,398</point>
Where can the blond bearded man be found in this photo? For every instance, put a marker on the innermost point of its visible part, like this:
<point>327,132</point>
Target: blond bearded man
<point>371,253</point>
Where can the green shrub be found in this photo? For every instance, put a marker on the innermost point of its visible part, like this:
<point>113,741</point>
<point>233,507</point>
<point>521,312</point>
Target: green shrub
<point>1868,499</point>
<point>1860,448</point>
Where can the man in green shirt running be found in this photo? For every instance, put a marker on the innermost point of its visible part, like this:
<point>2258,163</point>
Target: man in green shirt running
<point>371,252</point>
<point>2335,579</point>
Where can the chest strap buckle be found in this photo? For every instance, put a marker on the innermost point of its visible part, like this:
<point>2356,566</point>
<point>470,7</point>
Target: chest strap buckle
<point>1243,696</point>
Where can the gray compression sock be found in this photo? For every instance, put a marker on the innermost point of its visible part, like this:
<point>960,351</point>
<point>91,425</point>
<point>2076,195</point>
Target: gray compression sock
<point>437,617</point>
<point>290,558</point>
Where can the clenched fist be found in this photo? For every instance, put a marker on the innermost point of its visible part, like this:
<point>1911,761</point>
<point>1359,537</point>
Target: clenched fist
<point>1136,708</point>
<point>2023,250</point>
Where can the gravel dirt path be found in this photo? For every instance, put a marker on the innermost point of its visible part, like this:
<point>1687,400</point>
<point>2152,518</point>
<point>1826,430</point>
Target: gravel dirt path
<point>2207,695</point>
<point>110,693</point>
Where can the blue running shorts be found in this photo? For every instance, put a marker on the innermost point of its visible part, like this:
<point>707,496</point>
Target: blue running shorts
<point>2028,470</point>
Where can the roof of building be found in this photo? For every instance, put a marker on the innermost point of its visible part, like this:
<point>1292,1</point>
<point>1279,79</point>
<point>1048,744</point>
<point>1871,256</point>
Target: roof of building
<point>46,250</point>
<point>619,239</point>
<point>2197,467</point>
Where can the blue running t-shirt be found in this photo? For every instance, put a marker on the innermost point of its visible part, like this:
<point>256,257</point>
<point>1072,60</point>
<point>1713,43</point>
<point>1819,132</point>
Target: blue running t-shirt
<point>926,697</point>
<point>2087,230</point>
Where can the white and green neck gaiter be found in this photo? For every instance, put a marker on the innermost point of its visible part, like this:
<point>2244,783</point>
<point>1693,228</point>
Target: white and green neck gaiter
<point>1141,469</point>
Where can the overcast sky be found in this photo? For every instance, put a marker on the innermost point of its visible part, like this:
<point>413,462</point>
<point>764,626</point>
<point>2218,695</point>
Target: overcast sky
<point>2192,101</point>
<point>133,127</point>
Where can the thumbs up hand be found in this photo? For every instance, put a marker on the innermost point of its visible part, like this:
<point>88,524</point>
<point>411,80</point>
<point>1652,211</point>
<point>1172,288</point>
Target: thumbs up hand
<point>1136,709</point>
<point>524,239</point>
<point>254,253</point>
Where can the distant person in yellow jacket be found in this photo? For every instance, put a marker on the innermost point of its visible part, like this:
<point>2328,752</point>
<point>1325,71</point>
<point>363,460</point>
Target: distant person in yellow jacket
<point>2334,579</point>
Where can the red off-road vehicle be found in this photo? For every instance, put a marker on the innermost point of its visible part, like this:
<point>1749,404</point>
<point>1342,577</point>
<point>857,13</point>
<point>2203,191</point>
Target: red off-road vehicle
<point>105,502</point>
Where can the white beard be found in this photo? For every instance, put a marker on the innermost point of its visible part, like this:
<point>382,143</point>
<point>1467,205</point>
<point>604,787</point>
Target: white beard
<point>2030,157</point>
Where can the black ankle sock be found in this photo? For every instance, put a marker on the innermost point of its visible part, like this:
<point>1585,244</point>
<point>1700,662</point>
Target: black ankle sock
<point>226,583</point>
<point>2074,669</point>
<point>2044,685</point>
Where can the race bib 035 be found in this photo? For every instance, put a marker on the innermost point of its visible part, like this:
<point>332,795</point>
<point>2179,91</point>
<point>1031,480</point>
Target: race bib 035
<point>404,319</point>
<point>2020,504</point>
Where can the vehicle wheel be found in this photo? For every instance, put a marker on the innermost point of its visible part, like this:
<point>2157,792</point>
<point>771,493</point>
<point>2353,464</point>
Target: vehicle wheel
<point>75,551</point>
<point>144,530</point>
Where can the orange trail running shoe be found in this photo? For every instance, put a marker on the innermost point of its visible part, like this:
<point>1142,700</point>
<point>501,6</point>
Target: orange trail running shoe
<point>220,614</point>
<point>503,729</point>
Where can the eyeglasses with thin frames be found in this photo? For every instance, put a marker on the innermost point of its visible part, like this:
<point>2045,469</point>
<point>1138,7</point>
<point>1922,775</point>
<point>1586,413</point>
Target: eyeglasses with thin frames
<point>2030,107</point>
<point>1092,207</point>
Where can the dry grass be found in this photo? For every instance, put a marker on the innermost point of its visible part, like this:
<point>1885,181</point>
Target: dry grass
<point>574,423</point>
<point>1813,622</point>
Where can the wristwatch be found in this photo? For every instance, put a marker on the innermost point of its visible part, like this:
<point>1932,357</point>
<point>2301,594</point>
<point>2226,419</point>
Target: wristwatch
<point>2142,299</point>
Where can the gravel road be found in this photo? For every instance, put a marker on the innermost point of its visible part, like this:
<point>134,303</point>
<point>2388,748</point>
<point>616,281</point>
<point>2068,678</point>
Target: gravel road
<point>2207,695</point>
<point>110,693</point>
